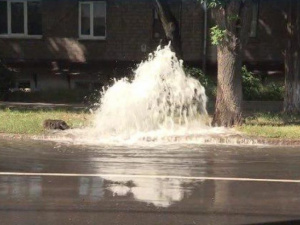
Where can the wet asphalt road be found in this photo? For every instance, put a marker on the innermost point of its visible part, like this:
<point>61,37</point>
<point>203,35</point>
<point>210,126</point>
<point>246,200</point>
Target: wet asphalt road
<point>50,183</point>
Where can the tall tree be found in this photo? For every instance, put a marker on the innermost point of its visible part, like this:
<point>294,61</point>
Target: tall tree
<point>170,25</point>
<point>233,19</point>
<point>292,59</point>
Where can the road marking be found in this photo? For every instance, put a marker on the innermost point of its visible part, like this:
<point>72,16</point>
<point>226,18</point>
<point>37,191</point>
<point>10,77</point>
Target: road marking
<point>148,176</point>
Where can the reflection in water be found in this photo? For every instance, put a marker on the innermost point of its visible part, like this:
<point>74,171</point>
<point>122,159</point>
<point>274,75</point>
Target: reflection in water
<point>142,197</point>
<point>91,188</point>
<point>35,188</point>
<point>20,187</point>
<point>167,160</point>
<point>4,189</point>
<point>120,190</point>
<point>156,191</point>
<point>159,192</point>
<point>171,160</point>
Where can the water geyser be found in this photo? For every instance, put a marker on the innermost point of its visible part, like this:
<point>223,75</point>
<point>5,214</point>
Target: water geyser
<point>159,97</point>
<point>159,103</point>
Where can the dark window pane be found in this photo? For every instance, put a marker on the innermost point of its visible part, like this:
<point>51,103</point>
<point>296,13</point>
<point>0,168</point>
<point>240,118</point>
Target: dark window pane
<point>34,18</point>
<point>85,19</point>
<point>24,84</point>
<point>17,17</point>
<point>3,17</point>
<point>99,18</point>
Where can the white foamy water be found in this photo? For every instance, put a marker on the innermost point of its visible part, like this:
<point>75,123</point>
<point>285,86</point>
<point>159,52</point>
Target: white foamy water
<point>159,97</point>
<point>161,101</point>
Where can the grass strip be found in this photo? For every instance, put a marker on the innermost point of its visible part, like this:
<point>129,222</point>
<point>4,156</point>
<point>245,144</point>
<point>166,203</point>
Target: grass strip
<point>31,121</point>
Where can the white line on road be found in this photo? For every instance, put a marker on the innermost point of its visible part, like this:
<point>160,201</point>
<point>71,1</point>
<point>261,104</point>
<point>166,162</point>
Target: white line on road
<point>148,176</point>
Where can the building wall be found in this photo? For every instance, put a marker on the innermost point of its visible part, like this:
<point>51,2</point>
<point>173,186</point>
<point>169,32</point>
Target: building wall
<point>192,30</point>
<point>129,28</point>
<point>129,33</point>
<point>269,43</point>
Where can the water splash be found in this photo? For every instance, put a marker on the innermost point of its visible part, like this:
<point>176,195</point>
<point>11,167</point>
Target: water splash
<point>161,103</point>
<point>159,97</point>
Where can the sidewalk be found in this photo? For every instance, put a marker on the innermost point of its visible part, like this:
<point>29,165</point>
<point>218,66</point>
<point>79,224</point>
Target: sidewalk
<point>262,106</point>
<point>40,105</point>
<point>248,106</point>
<point>254,106</point>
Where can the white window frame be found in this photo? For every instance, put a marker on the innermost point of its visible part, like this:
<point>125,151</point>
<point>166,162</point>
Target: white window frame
<point>19,35</point>
<point>91,36</point>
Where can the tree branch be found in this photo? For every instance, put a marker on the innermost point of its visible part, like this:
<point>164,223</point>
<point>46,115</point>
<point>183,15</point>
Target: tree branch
<point>170,25</point>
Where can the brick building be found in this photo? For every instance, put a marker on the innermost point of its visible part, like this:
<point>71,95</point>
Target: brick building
<point>77,43</point>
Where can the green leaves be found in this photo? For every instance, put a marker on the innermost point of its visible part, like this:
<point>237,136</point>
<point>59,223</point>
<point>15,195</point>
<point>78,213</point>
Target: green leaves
<point>215,3</point>
<point>218,3</point>
<point>233,17</point>
<point>254,89</point>
<point>206,81</point>
<point>217,35</point>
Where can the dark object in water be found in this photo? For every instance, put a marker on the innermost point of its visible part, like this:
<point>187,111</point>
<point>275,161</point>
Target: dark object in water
<point>55,125</point>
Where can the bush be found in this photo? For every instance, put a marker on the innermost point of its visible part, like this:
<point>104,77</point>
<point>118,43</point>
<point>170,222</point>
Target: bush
<point>251,85</point>
<point>253,89</point>
<point>206,81</point>
<point>273,92</point>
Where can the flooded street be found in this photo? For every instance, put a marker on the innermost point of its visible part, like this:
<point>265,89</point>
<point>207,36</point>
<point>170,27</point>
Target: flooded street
<point>52,183</point>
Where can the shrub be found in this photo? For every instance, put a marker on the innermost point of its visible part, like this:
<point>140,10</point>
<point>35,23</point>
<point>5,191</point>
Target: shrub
<point>253,89</point>
<point>251,85</point>
<point>273,92</point>
<point>206,81</point>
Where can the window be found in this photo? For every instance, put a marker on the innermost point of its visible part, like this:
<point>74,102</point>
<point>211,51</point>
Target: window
<point>254,22</point>
<point>20,18</point>
<point>92,20</point>
<point>3,18</point>
<point>34,18</point>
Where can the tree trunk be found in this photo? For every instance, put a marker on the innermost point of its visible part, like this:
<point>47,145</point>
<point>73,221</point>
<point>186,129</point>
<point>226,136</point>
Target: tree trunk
<point>292,60</point>
<point>170,25</point>
<point>229,93</point>
<point>228,110</point>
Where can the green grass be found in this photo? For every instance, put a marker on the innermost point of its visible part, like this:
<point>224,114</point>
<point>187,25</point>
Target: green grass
<point>288,132</point>
<point>31,121</point>
<point>270,125</point>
